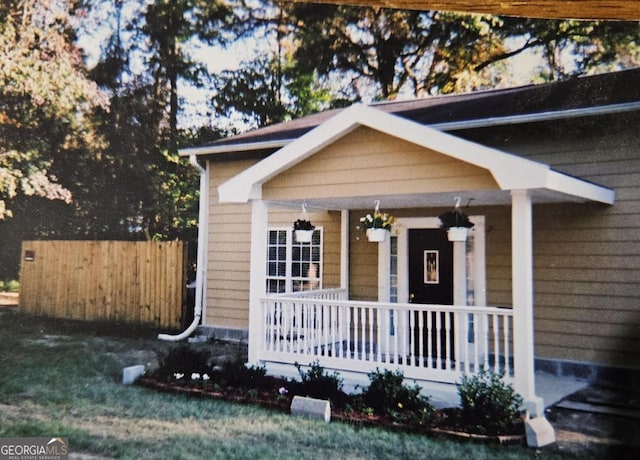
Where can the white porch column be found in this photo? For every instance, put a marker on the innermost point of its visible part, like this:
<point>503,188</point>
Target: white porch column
<point>522,279</point>
<point>258,277</point>
<point>460,273</point>
<point>344,250</point>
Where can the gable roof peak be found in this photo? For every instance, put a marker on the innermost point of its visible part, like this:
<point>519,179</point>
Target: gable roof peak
<point>509,171</point>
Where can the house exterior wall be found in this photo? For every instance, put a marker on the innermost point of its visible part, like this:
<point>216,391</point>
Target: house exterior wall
<point>369,163</point>
<point>227,296</point>
<point>229,232</point>
<point>586,256</point>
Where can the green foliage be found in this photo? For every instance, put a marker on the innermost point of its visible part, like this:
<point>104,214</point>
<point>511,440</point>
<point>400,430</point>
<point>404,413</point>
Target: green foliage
<point>181,362</point>
<point>235,374</point>
<point>267,91</point>
<point>391,51</point>
<point>167,27</point>
<point>302,224</point>
<point>489,405</point>
<point>46,100</point>
<point>9,286</point>
<point>377,220</point>
<point>389,395</point>
<point>104,418</point>
<point>316,383</point>
<point>455,218</point>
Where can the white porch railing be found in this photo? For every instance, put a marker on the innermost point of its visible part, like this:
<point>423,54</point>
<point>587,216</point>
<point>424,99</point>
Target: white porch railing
<point>426,342</point>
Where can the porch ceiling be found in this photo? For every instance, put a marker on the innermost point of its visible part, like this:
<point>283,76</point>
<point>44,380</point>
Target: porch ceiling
<point>510,172</point>
<point>432,200</point>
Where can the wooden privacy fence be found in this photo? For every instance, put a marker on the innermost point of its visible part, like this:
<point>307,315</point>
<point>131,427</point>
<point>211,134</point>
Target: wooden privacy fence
<point>137,282</point>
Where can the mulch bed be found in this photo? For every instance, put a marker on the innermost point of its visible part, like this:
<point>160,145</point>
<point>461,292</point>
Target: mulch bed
<point>271,399</point>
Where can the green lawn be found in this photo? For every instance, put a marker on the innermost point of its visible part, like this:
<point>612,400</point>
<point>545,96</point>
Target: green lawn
<point>62,378</point>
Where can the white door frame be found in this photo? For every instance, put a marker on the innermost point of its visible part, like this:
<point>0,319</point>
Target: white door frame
<point>401,231</point>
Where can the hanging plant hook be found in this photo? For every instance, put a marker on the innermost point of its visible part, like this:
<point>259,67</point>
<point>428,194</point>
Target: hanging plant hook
<point>455,218</point>
<point>377,203</point>
<point>303,223</point>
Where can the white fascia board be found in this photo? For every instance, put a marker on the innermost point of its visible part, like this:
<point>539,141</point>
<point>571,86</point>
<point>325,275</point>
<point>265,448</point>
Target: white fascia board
<point>216,149</point>
<point>562,183</point>
<point>248,184</point>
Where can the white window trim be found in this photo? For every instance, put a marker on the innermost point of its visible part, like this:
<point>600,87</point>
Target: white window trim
<point>288,277</point>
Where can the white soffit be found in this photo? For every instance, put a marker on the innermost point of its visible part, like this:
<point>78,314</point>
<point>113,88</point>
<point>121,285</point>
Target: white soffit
<point>509,171</point>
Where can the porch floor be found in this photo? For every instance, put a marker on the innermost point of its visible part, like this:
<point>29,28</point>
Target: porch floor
<point>552,388</point>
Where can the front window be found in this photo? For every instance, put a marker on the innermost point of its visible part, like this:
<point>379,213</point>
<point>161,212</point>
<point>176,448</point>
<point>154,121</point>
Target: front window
<point>293,266</point>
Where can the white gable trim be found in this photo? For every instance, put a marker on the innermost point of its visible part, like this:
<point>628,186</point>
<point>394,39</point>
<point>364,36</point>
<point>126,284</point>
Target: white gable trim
<point>509,171</point>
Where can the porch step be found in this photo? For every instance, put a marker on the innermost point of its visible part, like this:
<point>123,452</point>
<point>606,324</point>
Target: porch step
<point>600,409</point>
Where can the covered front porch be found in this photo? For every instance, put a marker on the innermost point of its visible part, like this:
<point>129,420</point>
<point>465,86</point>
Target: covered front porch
<point>428,342</point>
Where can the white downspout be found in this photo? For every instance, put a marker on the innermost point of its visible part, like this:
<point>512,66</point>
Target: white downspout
<point>201,262</point>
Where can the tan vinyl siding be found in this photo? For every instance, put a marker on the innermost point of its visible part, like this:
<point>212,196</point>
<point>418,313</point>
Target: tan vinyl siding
<point>366,162</point>
<point>229,250</point>
<point>363,262</point>
<point>586,256</point>
<point>227,303</point>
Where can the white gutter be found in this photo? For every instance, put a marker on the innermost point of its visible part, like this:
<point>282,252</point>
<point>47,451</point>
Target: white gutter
<point>201,261</point>
<point>445,126</point>
<point>207,150</point>
<point>538,117</point>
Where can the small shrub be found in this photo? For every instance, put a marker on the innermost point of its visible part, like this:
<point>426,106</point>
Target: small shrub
<point>9,286</point>
<point>316,383</point>
<point>388,395</point>
<point>489,405</point>
<point>235,374</point>
<point>185,361</point>
<point>12,286</point>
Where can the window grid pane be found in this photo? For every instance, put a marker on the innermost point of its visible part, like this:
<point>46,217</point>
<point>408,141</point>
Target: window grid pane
<point>277,261</point>
<point>304,261</point>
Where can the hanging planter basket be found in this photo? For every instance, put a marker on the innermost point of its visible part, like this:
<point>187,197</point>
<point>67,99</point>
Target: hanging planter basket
<point>456,223</point>
<point>303,227</point>
<point>457,233</point>
<point>377,226</point>
<point>377,235</point>
<point>304,236</point>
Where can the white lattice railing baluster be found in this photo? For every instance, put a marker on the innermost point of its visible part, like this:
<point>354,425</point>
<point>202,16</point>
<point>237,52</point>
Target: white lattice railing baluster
<point>424,341</point>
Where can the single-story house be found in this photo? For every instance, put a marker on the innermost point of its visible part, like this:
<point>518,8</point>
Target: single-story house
<point>548,277</point>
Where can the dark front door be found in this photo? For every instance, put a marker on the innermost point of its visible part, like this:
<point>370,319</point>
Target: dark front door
<point>431,282</point>
<point>430,267</point>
